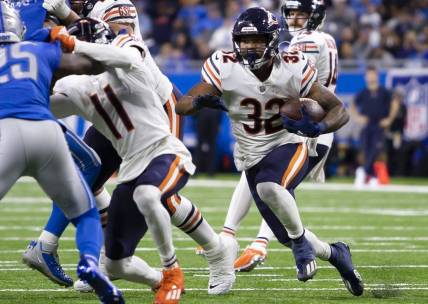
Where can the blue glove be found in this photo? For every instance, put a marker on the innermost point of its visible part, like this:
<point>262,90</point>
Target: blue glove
<point>303,127</point>
<point>209,101</point>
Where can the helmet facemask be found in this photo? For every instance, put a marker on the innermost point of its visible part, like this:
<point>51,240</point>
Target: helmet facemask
<point>265,47</point>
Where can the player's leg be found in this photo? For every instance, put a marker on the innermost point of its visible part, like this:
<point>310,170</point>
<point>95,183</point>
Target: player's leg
<point>124,230</point>
<point>59,178</point>
<point>274,184</point>
<point>42,254</point>
<point>13,159</point>
<point>163,177</point>
<point>220,251</point>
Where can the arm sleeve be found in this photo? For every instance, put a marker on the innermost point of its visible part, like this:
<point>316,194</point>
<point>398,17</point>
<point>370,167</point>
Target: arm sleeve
<point>55,54</point>
<point>110,55</point>
<point>61,105</point>
<point>211,71</point>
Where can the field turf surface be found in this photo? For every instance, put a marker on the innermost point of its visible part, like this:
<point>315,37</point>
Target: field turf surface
<point>386,230</point>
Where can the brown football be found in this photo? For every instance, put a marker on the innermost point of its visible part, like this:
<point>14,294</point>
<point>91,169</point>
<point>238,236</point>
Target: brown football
<point>292,109</point>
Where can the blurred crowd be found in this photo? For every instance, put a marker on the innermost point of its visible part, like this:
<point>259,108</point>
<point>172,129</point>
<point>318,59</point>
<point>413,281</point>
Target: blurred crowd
<point>382,30</point>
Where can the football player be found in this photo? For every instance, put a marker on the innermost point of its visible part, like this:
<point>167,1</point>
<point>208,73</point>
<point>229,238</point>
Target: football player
<point>304,19</point>
<point>256,81</point>
<point>183,213</point>
<point>33,142</point>
<point>122,104</point>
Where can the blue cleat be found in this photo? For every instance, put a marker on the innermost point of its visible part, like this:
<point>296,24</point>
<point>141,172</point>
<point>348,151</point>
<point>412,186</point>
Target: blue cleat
<point>341,259</point>
<point>44,258</point>
<point>305,258</point>
<point>88,271</point>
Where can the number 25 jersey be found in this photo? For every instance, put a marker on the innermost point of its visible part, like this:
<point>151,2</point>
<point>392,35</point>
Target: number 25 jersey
<point>254,105</point>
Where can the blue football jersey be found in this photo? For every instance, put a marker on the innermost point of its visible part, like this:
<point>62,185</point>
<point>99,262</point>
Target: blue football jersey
<point>26,70</point>
<point>32,15</point>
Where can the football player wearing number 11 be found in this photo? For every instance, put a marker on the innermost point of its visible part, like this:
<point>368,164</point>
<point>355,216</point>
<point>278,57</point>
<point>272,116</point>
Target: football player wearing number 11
<point>255,81</point>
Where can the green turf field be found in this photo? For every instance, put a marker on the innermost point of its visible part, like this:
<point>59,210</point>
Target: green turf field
<point>387,232</point>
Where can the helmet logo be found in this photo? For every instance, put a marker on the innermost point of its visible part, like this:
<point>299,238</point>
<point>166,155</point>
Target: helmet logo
<point>124,11</point>
<point>247,29</point>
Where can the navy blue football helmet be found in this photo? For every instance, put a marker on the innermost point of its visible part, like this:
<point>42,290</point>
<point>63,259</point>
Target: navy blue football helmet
<point>256,21</point>
<point>83,7</point>
<point>91,30</point>
<point>314,8</point>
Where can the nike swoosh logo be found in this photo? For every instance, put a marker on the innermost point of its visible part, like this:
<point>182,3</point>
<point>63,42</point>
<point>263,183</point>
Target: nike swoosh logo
<point>216,56</point>
<point>214,286</point>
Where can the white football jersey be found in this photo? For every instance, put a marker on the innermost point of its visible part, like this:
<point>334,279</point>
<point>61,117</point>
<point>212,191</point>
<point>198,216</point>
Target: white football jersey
<point>124,11</point>
<point>126,108</point>
<point>254,105</point>
<point>321,48</point>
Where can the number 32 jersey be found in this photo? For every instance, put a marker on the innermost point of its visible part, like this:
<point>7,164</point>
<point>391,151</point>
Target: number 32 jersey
<point>254,105</point>
<point>125,106</point>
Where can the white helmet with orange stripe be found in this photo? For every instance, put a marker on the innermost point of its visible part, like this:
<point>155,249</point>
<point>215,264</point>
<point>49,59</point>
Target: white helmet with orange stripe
<point>117,11</point>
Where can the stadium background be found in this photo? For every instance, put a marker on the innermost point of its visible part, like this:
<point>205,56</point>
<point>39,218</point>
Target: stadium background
<point>389,34</point>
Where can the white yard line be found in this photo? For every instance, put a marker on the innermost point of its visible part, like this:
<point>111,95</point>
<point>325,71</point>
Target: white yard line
<point>407,212</point>
<point>386,288</point>
<point>208,183</point>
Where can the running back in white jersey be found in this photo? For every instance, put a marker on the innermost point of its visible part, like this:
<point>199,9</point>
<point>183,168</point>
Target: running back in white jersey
<point>321,48</point>
<point>254,105</point>
<point>124,11</point>
<point>125,107</point>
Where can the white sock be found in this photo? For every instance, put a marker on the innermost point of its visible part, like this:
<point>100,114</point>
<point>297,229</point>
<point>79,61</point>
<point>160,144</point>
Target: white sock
<point>49,238</point>
<point>283,205</point>
<point>102,199</point>
<point>187,217</point>
<point>322,249</point>
<point>239,206</point>
<point>263,237</point>
<point>148,201</point>
<point>134,269</point>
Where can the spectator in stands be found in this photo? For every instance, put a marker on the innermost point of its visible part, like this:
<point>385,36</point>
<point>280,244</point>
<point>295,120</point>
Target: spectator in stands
<point>374,109</point>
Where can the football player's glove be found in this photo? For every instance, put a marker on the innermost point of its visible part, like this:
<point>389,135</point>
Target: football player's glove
<point>304,126</point>
<point>209,101</point>
<point>61,34</point>
<point>57,8</point>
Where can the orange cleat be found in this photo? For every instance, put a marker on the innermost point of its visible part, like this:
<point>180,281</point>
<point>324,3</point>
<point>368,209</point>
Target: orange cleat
<point>171,287</point>
<point>250,259</point>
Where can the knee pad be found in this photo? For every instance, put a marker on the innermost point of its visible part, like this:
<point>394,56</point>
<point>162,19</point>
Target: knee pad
<point>269,193</point>
<point>147,198</point>
<point>186,215</point>
<point>117,268</point>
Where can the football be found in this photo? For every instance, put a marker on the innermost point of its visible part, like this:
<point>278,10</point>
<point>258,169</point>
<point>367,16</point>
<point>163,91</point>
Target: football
<point>292,109</point>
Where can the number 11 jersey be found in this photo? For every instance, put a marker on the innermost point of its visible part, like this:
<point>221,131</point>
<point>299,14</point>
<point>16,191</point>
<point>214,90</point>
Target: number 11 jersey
<point>254,105</point>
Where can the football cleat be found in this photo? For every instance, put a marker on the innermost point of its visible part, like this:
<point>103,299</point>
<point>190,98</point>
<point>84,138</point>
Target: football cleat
<point>305,259</point>
<point>250,259</point>
<point>171,287</point>
<point>87,270</point>
<point>220,262</point>
<point>44,258</point>
<point>341,259</point>
<point>82,286</point>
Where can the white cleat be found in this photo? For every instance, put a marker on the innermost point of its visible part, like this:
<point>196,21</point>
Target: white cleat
<point>82,286</point>
<point>222,273</point>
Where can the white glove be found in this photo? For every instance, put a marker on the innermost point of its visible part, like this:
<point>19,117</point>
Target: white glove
<point>57,8</point>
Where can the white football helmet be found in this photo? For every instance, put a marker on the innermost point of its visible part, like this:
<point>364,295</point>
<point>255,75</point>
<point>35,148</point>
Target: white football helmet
<point>11,27</point>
